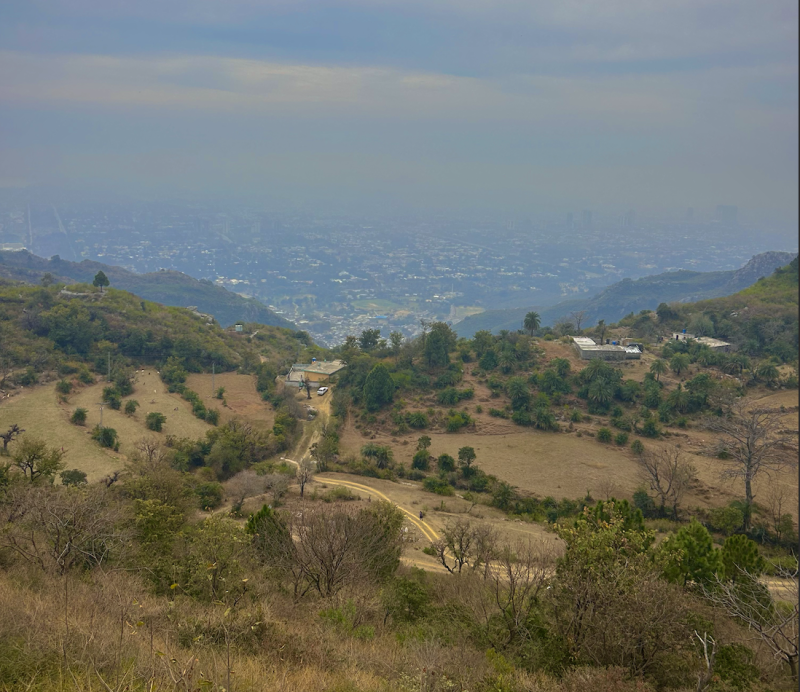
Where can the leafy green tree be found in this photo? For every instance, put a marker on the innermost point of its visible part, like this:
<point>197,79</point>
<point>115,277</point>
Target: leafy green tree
<point>446,463</point>
<point>658,368</point>
<point>694,557</point>
<point>424,442</point>
<point>155,421</point>
<point>488,361</point>
<point>436,355</point>
<point>79,416</point>
<point>369,339</point>
<point>209,495</point>
<point>466,457</point>
<point>130,407</point>
<point>36,460</point>
<point>378,388</point>
<point>532,322</point>
<point>739,556</point>
<point>100,281</point>
<point>73,477</point>
<point>482,341</point>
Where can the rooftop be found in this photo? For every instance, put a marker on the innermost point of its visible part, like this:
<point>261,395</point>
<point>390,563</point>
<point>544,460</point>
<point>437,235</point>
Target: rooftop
<point>321,367</point>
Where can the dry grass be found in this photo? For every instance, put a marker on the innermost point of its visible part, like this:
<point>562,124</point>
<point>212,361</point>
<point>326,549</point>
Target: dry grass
<point>37,411</point>
<point>240,395</point>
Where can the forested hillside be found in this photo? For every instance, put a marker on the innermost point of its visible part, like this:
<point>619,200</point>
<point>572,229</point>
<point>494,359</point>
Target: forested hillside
<point>167,287</point>
<point>629,295</point>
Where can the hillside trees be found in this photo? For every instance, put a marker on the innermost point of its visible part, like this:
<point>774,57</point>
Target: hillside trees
<point>36,460</point>
<point>378,388</point>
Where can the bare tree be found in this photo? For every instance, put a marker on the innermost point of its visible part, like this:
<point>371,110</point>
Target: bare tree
<point>332,547</point>
<point>243,485</point>
<point>749,601</point>
<point>755,441</point>
<point>709,659</point>
<point>59,527</point>
<point>518,575</point>
<point>777,502</point>
<point>277,484</point>
<point>578,316</point>
<point>463,543</point>
<point>669,474</point>
<point>305,472</point>
<point>150,450</point>
<point>9,435</point>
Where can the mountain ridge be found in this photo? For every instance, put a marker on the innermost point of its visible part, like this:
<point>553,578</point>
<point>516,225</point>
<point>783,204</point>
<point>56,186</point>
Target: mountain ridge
<point>633,295</point>
<point>169,287</point>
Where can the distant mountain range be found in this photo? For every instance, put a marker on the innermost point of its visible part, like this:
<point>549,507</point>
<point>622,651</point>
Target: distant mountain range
<point>167,287</point>
<point>627,296</point>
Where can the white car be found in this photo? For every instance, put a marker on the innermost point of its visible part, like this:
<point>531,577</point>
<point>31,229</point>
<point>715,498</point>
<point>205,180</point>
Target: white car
<point>321,391</point>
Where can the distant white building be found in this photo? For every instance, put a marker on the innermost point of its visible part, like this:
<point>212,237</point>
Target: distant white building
<point>588,349</point>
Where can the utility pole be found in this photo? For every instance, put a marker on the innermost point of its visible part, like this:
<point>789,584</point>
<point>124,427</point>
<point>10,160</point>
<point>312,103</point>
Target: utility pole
<point>101,415</point>
<point>212,378</point>
<point>109,366</point>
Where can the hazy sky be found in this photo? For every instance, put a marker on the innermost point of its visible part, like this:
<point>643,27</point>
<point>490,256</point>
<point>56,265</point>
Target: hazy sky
<point>505,104</point>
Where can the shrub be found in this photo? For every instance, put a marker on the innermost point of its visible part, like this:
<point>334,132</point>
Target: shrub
<point>421,460</point>
<point>155,421</point>
<point>73,477</point>
<point>604,435</point>
<point>457,420</point>
<point>650,428</point>
<point>637,447</point>
<point>621,439</point>
<point>85,377</point>
<point>64,387</point>
<point>575,416</point>
<point>209,495</point>
<point>212,416</point>
<point>438,485</point>
<point>79,416</point>
<point>106,437</point>
<point>130,407</point>
<point>417,420</point>
<point>220,393</point>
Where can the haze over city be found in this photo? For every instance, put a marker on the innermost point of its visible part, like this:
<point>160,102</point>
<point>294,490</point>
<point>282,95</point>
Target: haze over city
<point>507,107</point>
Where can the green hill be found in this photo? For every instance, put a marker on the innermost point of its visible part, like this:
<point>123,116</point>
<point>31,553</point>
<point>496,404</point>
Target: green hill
<point>760,320</point>
<point>45,329</point>
<point>629,295</point>
<point>167,287</point>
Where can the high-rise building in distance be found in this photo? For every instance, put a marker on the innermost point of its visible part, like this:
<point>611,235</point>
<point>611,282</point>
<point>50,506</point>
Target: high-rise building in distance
<point>586,218</point>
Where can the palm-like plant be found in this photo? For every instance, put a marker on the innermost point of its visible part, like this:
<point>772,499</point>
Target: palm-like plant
<point>679,363</point>
<point>532,322</point>
<point>658,368</point>
<point>601,392</point>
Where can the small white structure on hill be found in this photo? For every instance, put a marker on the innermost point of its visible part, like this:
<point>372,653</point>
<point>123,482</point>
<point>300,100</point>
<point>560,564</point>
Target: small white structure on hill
<point>588,349</point>
<point>314,372</point>
<point>714,344</point>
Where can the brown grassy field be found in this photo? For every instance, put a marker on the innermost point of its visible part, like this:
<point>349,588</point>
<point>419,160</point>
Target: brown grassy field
<point>242,399</point>
<point>37,411</point>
